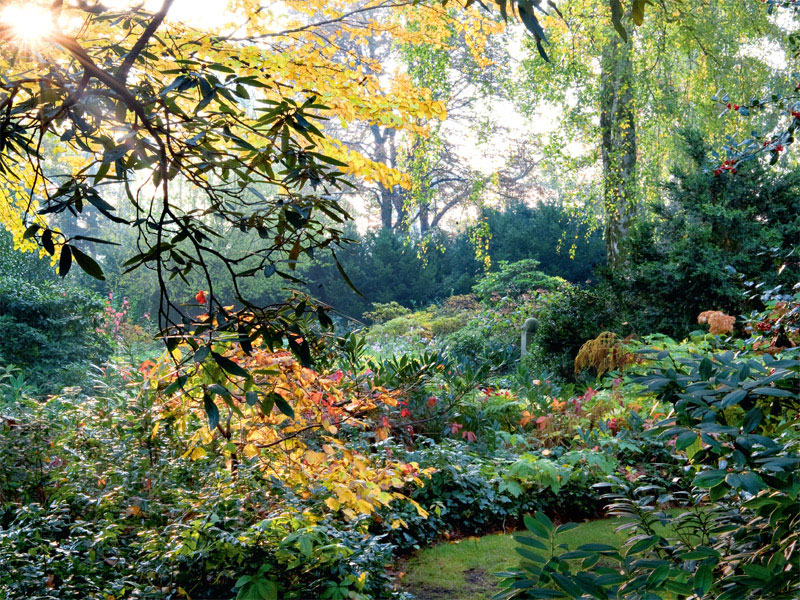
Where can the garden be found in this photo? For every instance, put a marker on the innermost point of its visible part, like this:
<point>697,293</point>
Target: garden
<point>573,375</point>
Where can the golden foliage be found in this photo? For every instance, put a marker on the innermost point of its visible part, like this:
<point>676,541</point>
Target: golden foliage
<point>287,418</point>
<point>302,48</point>
<point>718,322</point>
<point>604,353</point>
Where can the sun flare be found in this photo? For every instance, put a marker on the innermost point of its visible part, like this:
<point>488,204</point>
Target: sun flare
<point>29,21</point>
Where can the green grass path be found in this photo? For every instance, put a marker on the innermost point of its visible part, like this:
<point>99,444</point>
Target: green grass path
<point>464,570</point>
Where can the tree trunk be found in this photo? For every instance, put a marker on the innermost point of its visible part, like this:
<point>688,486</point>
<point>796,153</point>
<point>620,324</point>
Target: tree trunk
<point>618,143</point>
<point>386,212</point>
<point>424,220</point>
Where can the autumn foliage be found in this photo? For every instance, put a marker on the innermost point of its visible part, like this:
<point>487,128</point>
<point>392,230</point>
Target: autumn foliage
<point>288,419</point>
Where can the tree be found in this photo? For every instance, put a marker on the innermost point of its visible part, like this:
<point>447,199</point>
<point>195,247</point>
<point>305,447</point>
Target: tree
<point>660,76</point>
<point>142,104</point>
<point>136,101</point>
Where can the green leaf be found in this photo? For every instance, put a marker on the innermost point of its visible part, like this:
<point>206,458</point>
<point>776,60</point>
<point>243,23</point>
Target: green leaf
<point>88,264</point>
<point>733,398</point>
<point>535,527</point>
<point>227,365</point>
<point>65,260</point>
<point>703,579</point>
<point>706,368</point>
<point>47,242</point>
<point>178,383</point>
<point>529,541</point>
<point>752,419</point>
<point>201,354</point>
<point>566,584</point>
<point>657,577</point>
<point>545,521</point>
<point>773,391</point>
<point>643,545</point>
<point>752,482</point>
<point>268,403</point>
<point>694,448</point>
<point>597,548</point>
<point>267,589</point>
<point>283,406</point>
<point>530,554</point>
<point>710,478</point>
<point>566,527</point>
<point>217,389</point>
<point>251,398</point>
<point>536,592</point>
<point>211,411</point>
<point>685,440</point>
<point>31,231</point>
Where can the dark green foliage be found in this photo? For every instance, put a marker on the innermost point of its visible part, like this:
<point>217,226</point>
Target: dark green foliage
<point>545,233</point>
<point>49,331</point>
<point>387,267</point>
<point>710,236</point>
<point>737,539</point>
<point>490,338</point>
<point>472,493</point>
<point>570,318</point>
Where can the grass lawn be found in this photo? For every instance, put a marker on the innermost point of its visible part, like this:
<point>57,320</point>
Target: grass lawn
<point>463,570</point>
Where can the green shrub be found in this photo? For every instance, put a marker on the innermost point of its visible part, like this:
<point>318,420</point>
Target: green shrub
<point>710,236</point>
<point>735,422</point>
<point>570,318</point>
<point>515,279</point>
<point>49,331</point>
<point>382,312</point>
<point>490,338</point>
<point>441,326</point>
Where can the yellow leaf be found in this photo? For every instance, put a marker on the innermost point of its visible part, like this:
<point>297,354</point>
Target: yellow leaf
<point>365,507</point>
<point>315,458</point>
<point>197,453</point>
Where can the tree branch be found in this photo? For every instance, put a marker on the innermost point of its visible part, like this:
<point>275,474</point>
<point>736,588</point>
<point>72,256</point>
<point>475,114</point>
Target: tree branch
<point>130,58</point>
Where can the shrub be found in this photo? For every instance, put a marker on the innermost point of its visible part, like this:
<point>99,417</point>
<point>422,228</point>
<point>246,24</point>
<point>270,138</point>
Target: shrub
<point>604,353</point>
<point>515,279</point>
<point>490,338</point>
<point>382,312</point>
<point>736,424</point>
<point>563,244</point>
<point>49,331</point>
<point>570,318</point>
<point>706,240</point>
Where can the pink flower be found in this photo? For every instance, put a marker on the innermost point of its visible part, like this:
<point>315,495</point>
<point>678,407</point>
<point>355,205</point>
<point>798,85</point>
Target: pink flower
<point>469,436</point>
<point>454,427</point>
